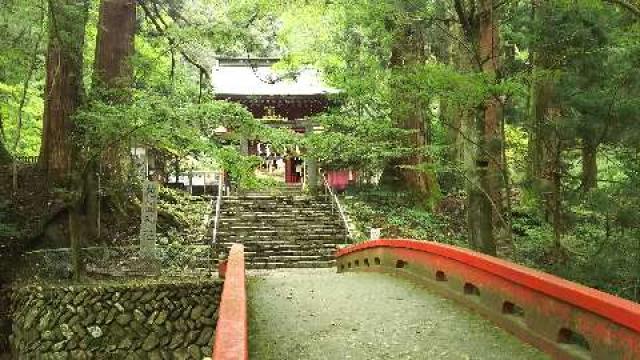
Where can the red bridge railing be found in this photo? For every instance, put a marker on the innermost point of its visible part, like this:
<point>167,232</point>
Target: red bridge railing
<point>564,319</point>
<point>232,333</point>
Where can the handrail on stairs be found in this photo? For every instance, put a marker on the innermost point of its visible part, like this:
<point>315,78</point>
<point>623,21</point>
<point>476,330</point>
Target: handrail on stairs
<point>216,219</point>
<point>335,203</point>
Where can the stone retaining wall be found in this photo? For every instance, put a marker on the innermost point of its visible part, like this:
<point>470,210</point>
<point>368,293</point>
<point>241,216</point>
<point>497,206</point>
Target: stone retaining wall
<point>160,320</point>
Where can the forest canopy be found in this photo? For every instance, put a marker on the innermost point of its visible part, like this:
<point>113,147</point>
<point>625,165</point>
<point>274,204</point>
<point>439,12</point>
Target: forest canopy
<point>522,114</point>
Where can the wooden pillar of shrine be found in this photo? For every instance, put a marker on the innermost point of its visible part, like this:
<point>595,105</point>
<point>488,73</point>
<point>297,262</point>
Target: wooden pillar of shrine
<point>290,173</point>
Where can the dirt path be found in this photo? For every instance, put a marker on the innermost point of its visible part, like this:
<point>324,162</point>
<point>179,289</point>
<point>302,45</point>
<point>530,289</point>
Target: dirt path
<point>318,314</point>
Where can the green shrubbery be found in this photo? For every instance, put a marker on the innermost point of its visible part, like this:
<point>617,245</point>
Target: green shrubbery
<point>589,254</point>
<point>399,215</point>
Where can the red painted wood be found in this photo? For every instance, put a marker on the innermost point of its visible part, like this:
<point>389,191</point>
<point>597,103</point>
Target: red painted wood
<point>232,332</point>
<point>615,309</point>
<point>222,269</point>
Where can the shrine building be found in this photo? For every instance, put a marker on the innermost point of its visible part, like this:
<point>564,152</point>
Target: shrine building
<point>280,100</point>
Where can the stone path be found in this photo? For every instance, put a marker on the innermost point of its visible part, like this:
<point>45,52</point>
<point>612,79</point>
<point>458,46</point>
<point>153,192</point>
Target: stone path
<point>318,314</point>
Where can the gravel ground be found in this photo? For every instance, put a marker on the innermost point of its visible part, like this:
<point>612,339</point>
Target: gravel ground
<point>318,314</point>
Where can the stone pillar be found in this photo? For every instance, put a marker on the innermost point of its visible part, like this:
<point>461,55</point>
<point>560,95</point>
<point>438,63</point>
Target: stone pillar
<point>149,219</point>
<point>244,146</point>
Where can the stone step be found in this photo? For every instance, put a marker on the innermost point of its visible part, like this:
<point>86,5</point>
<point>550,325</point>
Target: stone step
<point>264,229</point>
<point>290,201</point>
<point>298,239</point>
<point>258,196</point>
<point>308,252</point>
<point>281,230</point>
<point>272,215</point>
<point>277,211</point>
<point>292,248</point>
<point>248,216</point>
<point>295,253</point>
<point>281,221</point>
<point>293,225</point>
<point>270,234</point>
<point>275,204</point>
<point>279,246</point>
<point>296,200</point>
<point>301,264</point>
<point>278,215</point>
<point>283,237</point>
<point>290,258</point>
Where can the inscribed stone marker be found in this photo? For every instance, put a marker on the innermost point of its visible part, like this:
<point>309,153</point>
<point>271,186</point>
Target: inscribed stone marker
<point>149,218</point>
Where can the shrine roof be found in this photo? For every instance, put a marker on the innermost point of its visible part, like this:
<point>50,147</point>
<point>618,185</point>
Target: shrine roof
<point>256,78</point>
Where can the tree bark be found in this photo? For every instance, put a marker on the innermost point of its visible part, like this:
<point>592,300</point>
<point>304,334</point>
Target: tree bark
<point>64,95</point>
<point>409,113</point>
<point>112,78</point>
<point>545,146</point>
<point>540,134</point>
<point>542,137</point>
<point>480,27</point>
<point>489,55</point>
<point>115,44</point>
<point>64,87</point>
<point>113,71</point>
<point>479,214</point>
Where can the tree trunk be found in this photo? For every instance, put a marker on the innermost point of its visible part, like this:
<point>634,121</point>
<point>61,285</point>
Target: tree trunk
<point>112,77</point>
<point>409,113</point>
<point>479,214</point>
<point>555,202</point>
<point>589,164</point>
<point>540,134</point>
<point>115,44</point>
<point>489,55</point>
<point>113,71</point>
<point>64,95</point>
<point>64,86</point>
<point>545,147</point>
<point>485,187</point>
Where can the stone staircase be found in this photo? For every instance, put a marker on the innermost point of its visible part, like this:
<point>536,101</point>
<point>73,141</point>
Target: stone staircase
<point>281,231</point>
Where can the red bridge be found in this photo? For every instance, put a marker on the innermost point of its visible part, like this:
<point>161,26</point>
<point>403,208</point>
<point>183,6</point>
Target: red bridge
<point>381,305</point>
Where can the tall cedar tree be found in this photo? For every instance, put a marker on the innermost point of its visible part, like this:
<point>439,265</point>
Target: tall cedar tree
<point>64,88</point>
<point>112,77</point>
<point>409,112</point>
<point>480,26</point>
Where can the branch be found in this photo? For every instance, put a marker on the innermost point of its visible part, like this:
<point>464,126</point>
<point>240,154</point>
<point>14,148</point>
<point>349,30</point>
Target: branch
<point>635,10</point>
<point>158,24</point>
<point>463,18</point>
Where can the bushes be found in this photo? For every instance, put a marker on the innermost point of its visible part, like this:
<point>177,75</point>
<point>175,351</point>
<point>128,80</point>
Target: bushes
<point>605,257</point>
<point>399,215</point>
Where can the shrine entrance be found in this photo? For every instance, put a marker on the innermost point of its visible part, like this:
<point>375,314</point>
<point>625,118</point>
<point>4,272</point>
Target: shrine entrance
<point>278,100</point>
<point>287,167</point>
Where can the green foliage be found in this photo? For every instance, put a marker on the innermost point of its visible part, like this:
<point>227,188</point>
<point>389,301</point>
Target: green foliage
<point>349,141</point>
<point>399,215</point>
<point>587,51</point>
<point>22,45</point>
